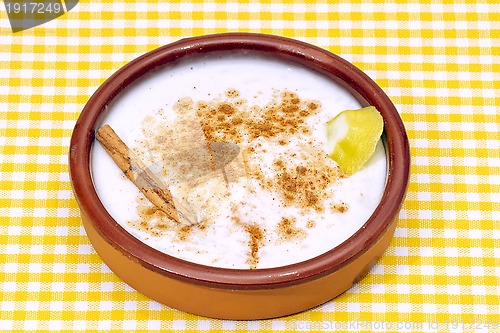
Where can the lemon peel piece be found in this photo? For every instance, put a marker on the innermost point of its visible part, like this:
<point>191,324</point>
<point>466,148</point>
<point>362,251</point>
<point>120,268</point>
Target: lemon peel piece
<point>352,136</point>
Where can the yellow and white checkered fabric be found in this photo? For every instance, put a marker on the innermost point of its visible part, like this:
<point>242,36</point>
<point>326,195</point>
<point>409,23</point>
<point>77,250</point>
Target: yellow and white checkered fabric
<point>439,61</point>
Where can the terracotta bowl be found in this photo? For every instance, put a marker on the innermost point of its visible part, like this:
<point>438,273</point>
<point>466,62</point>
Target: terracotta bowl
<point>231,293</point>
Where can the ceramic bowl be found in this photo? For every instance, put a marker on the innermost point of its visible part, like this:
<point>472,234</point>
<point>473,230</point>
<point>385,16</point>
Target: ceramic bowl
<point>230,293</point>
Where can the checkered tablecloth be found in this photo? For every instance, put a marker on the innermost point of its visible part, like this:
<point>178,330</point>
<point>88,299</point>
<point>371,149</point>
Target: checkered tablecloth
<point>438,61</point>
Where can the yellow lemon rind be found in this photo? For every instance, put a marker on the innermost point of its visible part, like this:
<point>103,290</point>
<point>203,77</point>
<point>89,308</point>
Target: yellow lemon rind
<point>365,127</point>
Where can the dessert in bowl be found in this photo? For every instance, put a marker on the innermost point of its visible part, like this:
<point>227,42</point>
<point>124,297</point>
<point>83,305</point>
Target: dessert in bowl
<point>234,126</point>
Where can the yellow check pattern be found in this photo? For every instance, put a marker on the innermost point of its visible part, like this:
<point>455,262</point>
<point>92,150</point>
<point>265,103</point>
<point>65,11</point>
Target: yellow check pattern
<point>439,61</point>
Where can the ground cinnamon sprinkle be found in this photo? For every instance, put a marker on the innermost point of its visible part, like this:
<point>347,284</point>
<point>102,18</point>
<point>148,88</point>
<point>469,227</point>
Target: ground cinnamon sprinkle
<point>340,207</point>
<point>299,176</point>
<point>226,120</point>
<point>155,223</point>
<point>152,221</point>
<point>304,186</point>
<point>255,242</point>
<point>232,93</point>
<point>287,230</point>
<point>279,120</point>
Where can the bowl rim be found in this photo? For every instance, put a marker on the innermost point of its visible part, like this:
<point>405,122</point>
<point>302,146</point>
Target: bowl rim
<point>313,57</point>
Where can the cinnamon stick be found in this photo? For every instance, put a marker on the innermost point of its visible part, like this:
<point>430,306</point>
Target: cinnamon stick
<point>142,177</point>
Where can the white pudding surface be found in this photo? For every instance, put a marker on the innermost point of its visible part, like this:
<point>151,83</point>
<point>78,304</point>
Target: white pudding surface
<point>277,200</point>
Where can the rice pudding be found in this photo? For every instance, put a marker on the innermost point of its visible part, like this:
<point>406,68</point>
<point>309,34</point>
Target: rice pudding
<point>240,139</point>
